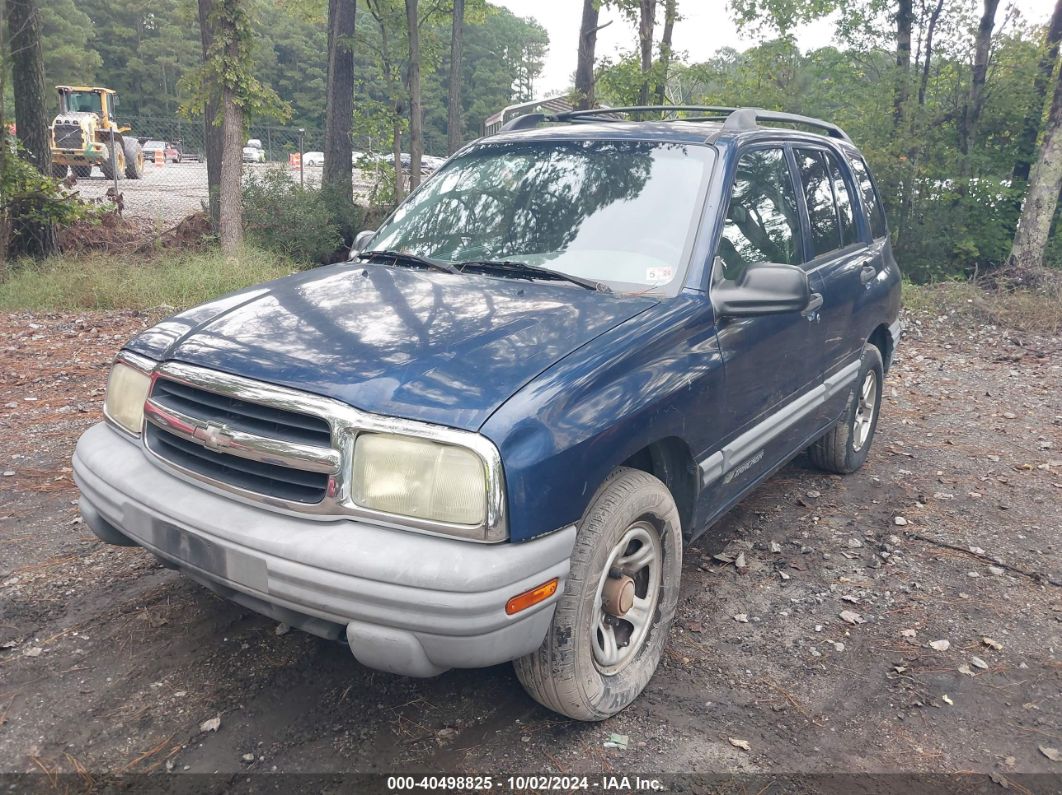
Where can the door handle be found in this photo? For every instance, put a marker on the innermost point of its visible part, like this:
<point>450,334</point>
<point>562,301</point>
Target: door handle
<point>867,274</point>
<point>814,305</point>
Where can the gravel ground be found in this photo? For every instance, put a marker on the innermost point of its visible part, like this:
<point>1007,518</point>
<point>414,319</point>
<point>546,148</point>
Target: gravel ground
<point>175,190</point>
<point>903,619</point>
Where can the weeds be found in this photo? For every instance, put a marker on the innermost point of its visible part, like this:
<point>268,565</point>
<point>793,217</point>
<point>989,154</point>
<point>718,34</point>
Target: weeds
<point>1034,309</point>
<point>96,281</point>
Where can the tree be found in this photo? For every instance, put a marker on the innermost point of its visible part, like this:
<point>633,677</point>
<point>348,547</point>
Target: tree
<point>1034,115</point>
<point>904,24</point>
<point>383,12</point>
<point>290,36</point>
<point>498,53</point>
<point>67,40</point>
<point>646,22</point>
<point>27,73</point>
<point>670,15</point>
<point>339,113</point>
<point>904,19</point>
<point>146,50</point>
<point>416,110</point>
<point>1041,199</point>
<point>584,67</point>
<point>231,41</point>
<point>971,115</point>
<point>31,117</point>
<point>226,79</point>
<point>212,141</point>
<point>454,133</point>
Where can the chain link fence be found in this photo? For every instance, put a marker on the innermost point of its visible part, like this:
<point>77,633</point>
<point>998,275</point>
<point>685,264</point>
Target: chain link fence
<point>174,180</point>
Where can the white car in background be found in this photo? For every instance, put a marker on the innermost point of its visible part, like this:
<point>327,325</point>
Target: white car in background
<point>317,158</point>
<point>253,152</point>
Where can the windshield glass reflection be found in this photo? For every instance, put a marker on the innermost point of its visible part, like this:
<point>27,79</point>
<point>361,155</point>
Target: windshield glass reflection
<point>622,212</point>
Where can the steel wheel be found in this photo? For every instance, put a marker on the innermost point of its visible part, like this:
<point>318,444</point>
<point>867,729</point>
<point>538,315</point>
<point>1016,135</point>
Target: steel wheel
<point>864,415</point>
<point>626,598</point>
<point>627,560</point>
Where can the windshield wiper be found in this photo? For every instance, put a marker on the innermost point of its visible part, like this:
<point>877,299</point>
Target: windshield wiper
<point>409,259</point>
<point>522,269</point>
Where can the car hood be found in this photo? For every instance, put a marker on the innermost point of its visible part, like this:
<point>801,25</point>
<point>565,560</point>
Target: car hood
<point>427,346</point>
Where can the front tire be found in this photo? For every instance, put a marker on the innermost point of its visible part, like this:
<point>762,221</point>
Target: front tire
<point>58,171</point>
<point>844,448</point>
<point>112,166</point>
<point>82,172</point>
<point>134,158</point>
<point>611,623</point>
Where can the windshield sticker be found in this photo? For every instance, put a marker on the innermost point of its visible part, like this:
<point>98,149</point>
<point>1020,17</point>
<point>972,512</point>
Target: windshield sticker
<point>659,275</point>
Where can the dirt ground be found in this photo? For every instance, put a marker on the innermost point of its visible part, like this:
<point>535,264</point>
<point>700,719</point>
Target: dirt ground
<point>944,554</point>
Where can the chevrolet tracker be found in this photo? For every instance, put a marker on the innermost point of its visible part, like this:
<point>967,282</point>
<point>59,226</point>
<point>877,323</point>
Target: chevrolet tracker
<point>488,435</point>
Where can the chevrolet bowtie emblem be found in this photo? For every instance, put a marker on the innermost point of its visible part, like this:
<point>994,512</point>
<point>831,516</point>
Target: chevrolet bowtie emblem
<point>213,435</point>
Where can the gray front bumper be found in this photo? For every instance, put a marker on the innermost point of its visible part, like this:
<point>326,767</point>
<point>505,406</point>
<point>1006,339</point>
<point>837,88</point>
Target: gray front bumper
<point>407,603</point>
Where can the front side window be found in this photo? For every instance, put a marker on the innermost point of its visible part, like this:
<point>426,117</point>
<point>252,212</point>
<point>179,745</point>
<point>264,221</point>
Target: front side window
<point>619,212</point>
<point>816,181</point>
<point>762,222</point>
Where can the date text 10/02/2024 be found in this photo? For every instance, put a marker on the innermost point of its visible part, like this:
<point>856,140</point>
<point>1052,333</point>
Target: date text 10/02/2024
<point>524,783</point>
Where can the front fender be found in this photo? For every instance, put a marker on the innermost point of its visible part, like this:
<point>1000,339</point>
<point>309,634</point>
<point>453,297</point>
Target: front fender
<point>653,377</point>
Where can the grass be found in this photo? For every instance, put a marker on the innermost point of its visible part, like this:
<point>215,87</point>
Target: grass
<point>183,279</point>
<point>1035,310</point>
<point>114,282</point>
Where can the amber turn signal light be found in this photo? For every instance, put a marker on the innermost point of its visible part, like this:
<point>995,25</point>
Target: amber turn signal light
<point>529,598</point>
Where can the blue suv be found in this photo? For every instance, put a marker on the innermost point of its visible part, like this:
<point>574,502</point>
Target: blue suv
<point>488,435</point>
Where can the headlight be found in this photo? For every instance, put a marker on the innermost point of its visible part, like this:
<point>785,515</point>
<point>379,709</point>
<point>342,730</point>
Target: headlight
<point>127,389</point>
<point>419,478</point>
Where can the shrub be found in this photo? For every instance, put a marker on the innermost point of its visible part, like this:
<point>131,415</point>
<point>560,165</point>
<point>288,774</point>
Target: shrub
<point>33,206</point>
<point>308,224</point>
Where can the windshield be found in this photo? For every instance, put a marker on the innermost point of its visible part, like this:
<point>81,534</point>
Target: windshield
<point>84,101</point>
<point>620,212</point>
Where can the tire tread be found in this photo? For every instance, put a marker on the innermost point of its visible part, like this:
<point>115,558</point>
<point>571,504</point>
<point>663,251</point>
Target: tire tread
<point>547,673</point>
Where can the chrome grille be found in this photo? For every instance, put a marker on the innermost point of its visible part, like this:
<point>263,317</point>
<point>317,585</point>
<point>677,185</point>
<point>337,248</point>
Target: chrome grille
<point>69,136</point>
<point>286,449</point>
<point>250,446</point>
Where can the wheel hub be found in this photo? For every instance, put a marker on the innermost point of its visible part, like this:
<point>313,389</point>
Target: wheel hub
<point>617,597</point>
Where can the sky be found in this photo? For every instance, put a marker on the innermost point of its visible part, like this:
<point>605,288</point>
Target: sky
<point>705,27</point>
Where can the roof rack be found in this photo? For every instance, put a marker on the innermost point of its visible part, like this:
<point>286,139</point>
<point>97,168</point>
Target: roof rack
<point>734,119</point>
<point>749,118</point>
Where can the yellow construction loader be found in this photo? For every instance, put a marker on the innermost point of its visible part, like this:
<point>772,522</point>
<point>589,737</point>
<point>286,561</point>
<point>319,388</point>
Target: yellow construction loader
<point>85,134</point>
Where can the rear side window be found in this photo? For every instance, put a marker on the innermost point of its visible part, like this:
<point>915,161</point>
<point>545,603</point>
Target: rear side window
<point>816,181</point>
<point>849,234</point>
<point>870,197</point>
<point>762,222</point>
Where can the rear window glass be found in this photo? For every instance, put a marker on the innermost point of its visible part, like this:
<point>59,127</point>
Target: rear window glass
<point>818,194</point>
<point>875,215</point>
<point>849,234</point>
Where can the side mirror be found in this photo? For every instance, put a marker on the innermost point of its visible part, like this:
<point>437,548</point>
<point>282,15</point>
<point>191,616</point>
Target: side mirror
<point>764,289</point>
<point>362,240</point>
